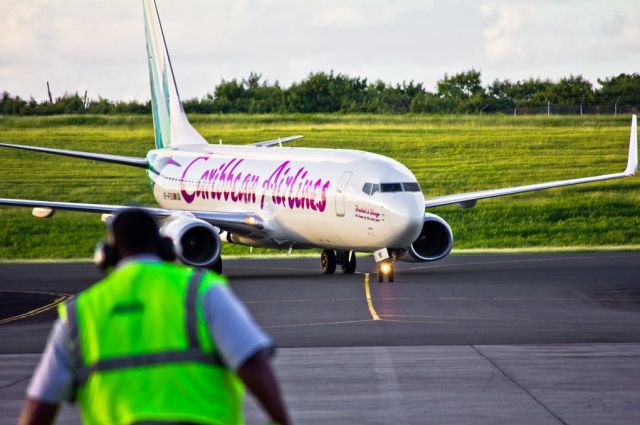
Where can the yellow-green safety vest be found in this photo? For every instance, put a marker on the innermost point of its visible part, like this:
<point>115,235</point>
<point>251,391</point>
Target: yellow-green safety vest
<point>141,349</point>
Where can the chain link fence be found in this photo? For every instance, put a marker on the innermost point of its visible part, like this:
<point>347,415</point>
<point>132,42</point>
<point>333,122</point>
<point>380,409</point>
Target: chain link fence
<point>558,109</point>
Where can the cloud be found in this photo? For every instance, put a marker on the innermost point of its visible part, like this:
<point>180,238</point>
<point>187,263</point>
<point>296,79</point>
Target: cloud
<point>501,36</point>
<point>98,45</point>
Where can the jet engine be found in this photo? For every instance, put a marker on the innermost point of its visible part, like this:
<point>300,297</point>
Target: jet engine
<point>434,243</point>
<point>197,243</point>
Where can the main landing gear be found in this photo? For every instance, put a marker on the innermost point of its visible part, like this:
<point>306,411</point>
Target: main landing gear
<point>329,259</point>
<point>385,269</point>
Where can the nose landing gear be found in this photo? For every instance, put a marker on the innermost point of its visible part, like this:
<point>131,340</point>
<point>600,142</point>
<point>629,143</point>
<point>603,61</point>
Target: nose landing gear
<point>329,259</point>
<point>385,269</point>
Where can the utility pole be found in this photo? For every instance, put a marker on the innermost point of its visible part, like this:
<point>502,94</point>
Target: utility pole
<point>548,108</point>
<point>615,107</point>
<point>86,105</point>
<point>581,102</point>
<point>49,92</point>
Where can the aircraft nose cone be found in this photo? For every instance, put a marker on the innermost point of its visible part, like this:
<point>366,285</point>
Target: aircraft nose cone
<point>406,222</point>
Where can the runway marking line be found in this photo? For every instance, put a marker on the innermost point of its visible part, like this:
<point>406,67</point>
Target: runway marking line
<point>61,298</point>
<point>367,291</point>
<point>528,260</point>
<point>298,325</point>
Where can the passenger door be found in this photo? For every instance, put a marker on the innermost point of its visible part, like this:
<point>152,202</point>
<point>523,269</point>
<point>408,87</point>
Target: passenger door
<point>340,189</point>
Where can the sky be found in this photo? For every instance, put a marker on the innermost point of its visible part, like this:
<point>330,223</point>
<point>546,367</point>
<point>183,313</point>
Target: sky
<point>99,46</point>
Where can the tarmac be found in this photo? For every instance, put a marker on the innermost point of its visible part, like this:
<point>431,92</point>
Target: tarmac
<point>490,339</point>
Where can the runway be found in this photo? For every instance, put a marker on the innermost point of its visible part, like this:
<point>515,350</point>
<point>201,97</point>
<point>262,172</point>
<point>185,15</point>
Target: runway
<point>482,339</point>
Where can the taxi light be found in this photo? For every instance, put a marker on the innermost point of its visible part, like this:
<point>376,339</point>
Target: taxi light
<point>385,268</point>
<point>250,220</point>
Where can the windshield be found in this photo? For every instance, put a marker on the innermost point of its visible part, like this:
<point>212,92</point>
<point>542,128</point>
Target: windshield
<point>371,188</point>
<point>390,187</point>
<point>411,187</point>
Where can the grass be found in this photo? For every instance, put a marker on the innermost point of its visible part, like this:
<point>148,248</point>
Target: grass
<point>448,154</point>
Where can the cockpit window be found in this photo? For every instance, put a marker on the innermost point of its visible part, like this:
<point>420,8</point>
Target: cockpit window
<point>390,187</point>
<point>411,187</point>
<point>370,188</point>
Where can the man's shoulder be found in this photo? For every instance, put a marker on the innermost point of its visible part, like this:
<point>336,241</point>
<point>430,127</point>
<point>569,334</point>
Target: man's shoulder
<point>169,271</point>
<point>134,270</point>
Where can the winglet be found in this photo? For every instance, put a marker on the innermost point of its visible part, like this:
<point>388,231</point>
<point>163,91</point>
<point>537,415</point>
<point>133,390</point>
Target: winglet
<point>172,128</point>
<point>632,162</point>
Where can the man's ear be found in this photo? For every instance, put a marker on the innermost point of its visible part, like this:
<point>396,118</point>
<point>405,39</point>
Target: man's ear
<point>105,256</point>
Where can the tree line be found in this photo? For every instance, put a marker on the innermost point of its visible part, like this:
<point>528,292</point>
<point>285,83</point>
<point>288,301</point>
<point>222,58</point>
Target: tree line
<point>331,92</point>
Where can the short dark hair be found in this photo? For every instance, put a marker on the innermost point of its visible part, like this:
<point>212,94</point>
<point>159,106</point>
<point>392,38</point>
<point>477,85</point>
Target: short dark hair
<point>135,231</point>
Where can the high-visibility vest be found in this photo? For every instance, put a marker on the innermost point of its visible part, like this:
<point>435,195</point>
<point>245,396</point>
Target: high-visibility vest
<point>142,351</point>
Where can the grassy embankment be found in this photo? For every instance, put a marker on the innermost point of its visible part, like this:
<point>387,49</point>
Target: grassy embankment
<point>448,154</point>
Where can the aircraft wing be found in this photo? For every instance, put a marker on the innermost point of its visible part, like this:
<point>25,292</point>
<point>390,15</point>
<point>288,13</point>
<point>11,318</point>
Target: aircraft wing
<point>469,199</point>
<point>114,159</point>
<point>244,222</point>
<point>275,142</point>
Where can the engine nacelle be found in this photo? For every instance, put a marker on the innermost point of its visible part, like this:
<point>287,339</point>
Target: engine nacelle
<point>197,243</point>
<point>434,243</point>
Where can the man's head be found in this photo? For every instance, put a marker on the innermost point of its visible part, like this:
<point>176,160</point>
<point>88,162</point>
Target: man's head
<point>134,232</point>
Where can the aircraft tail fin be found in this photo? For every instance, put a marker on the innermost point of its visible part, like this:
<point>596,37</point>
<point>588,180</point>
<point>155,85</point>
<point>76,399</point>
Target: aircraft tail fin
<point>172,128</point>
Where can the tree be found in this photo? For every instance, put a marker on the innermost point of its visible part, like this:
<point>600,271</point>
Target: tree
<point>460,86</point>
<point>501,95</point>
<point>229,96</point>
<point>428,103</point>
<point>624,86</point>
<point>571,91</point>
<point>314,94</point>
<point>12,105</point>
<point>463,91</point>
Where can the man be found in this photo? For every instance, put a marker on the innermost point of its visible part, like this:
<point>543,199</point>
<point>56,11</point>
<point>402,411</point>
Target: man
<point>153,342</point>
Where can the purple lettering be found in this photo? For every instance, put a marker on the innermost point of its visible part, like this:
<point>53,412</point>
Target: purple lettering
<point>189,197</point>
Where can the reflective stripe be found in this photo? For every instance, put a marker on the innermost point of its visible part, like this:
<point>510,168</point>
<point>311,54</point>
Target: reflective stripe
<point>164,423</point>
<point>191,316</point>
<point>150,360</point>
<point>74,349</point>
<point>193,354</point>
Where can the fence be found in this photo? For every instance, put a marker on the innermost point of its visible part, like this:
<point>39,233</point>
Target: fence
<point>557,109</point>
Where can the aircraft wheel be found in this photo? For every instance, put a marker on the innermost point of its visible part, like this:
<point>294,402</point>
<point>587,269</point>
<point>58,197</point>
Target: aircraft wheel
<point>328,261</point>
<point>349,265</point>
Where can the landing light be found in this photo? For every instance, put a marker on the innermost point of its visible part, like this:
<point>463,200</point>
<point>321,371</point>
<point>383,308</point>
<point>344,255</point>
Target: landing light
<point>41,212</point>
<point>250,220</point>
<point>385,268</point>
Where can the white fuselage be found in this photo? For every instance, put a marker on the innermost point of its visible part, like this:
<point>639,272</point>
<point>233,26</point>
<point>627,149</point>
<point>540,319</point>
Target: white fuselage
<point>306,197</point>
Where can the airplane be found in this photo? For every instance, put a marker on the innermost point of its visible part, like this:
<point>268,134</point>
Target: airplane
<point>268,195</point>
